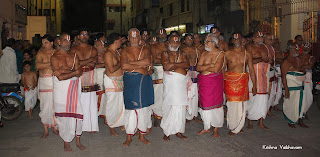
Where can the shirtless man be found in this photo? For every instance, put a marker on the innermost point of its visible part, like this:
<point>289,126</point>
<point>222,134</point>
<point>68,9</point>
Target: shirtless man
<point>157,76</point>
<point>293,75</point>
<point>113,79</point>
<point>258,104</point>
<point>236,75</point>
<point>279,58</point>
<point>211,86</point>
<point>197,42</point>
<point>154,40</point>
<point>100,46</point>
<point>193,55</point>
<point>175,64</point>
<point>223,45</point>
<point>66,72</point>
<point>308,62</point>
<point>138,89</point>
<point>88,58</point>
<point>145,36</point>
<point>299,41</point>
<point>268,43</point>
<point>46,85</point>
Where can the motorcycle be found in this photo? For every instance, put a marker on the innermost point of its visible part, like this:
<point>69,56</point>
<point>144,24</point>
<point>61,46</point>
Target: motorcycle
<point>11,102</point>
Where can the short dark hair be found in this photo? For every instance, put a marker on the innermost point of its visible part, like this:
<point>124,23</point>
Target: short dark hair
<point>174,32</point>
<point>297,36</point>
<point>188,35</point>
<point>112,38</point>
<point>28,51</point>
<point>81,29</point>
<point>99,35</point>
<point>24,63</point>
<point>216,27</point>
<point>11,42</point>
<point>48,37</point>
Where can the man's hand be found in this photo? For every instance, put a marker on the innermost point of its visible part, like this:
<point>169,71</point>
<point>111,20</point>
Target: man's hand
<point>254,91</point>
<point>286,94</point>
<point>168,66</point>
<point>79,72</point>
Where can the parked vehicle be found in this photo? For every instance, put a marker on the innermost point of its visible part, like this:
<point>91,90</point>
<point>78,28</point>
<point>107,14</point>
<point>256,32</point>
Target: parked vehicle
<point>11,102</point>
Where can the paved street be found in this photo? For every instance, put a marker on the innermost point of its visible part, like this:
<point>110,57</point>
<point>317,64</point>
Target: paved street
<point>21,138</point>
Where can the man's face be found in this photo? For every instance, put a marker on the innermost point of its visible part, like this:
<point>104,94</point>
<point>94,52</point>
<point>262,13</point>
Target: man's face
<point>65,42</point>
<point>299,41</point>
<point>306,48</point>
<point>84,36</point>
<point>118,42</point>
<point>145,36</point>
<point>56,44</point>
<point>258,38</point>
<point>196,38</point>
<point>237,40</point>
<point>162,36</point>
<point>46,44</point>
<point>103,39</point>
<point>134,38</point>
<point>174,43</point>
<point>208,43</point>
<point>269,40</point>
<point>215,31</point>
<point>99,45</point>
<point>188,41</point>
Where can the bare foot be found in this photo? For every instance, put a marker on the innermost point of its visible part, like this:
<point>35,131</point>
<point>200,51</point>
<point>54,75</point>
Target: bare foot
<point>188,121</point>
<point>81,147</point>
<point>263,126</point>
<point>300,123</point>
<point>56,131</point>
<point>123,128</point>
<point>143,139</point>
<point>166,138</point>
<point>203,131</point>
<point>113,132</point>
<point>270,114</point>
<point>216,133</point>
<point>182,136</point>
<point>231,133</point>
<point>196,119</point>
<point>128,141</point>
<point>44,135</point>
<point>67,147</point>
<point>241,131</point>
<point>276,108</point>
<point>148,131</point>
<point>92,132</point>
<point>291,125</point>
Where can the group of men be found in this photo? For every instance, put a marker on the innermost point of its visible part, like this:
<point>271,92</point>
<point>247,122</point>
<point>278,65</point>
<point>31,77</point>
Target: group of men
<point>170,80</point>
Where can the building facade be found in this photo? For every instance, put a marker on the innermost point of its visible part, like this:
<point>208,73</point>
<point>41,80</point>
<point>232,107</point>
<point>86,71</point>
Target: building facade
<point>13,19</point>
<point>118,16</point>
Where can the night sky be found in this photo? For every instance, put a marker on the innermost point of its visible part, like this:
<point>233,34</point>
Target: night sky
<point>83,13</point>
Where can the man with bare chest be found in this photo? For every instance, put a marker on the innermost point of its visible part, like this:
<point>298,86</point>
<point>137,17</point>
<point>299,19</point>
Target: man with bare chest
<point>157,75</point>
<point>46,85</point>
<point>193,56</point>
<point>211,86</point>
<point>258,104</point>
<point>293,77</point>
<point>223,45</point>
<point>113,107</point>
<point>88,58</point>
<point>175,98</point>
<point>138,88</point>
<point>197,42</point>
<point>236,87</point>
<point>99,71</point>
<point>279,55</point>
<point>308,62</point>
<point>268,43</point>
<point>68,111</point>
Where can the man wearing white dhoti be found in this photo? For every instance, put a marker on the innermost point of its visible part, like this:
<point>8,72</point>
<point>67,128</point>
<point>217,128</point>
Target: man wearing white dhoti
<point>175,89</point>
<point>66,93</point>
<point>113,107</point>
<point>88,59</point>
<point>138,88</point>
<point>100,71</point>
<point>46,85</point>
<point>293,78</point>
<point>236,85</point>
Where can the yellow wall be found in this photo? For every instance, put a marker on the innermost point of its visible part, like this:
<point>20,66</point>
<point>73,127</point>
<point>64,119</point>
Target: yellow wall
<point>36,25</point>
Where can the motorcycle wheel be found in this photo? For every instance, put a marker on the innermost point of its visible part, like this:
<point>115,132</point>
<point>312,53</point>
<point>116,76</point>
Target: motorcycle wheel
<point>9,111</point>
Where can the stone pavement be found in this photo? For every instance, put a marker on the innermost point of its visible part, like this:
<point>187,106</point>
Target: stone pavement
<point>21,137</point>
